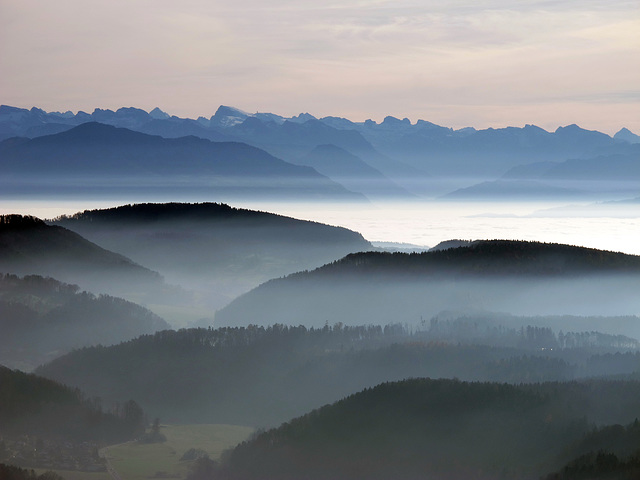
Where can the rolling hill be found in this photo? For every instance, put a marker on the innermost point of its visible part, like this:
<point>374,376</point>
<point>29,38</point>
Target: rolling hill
<point>28,246</point>
<point>214,248</point>
<point>41,318</point>
<point>262,376</point>
<point>32,405</point>
<point>526,278</point>
<point>423,428</point>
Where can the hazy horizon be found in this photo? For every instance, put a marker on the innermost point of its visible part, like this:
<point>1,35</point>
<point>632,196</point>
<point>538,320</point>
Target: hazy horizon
<point>421,222</point>
<point>461,64</point>
<point>160,336</point>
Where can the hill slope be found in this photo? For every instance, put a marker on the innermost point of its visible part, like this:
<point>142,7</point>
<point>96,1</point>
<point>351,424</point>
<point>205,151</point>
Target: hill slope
<point>263,376</point>
<point>30,246</point>
<point>212,247</point>
<point>526,278</point>
<point>32,405</point>
<point>41,318</point>
<point>426,428</point>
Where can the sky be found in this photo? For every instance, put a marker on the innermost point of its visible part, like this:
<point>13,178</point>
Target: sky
<point>456,63</point>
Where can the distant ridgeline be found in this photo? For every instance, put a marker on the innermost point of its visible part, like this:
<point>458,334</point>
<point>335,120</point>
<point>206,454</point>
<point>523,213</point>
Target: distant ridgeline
<point>393,158</point>
<point>104,155</point>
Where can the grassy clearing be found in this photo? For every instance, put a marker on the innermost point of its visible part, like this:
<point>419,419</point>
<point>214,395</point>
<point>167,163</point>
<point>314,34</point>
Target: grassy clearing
<point>137,462</point>
<point>73,475</point>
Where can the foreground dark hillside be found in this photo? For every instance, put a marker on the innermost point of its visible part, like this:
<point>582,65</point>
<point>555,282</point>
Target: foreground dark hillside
<point>214,248</point>
<point>609,452</point>
<point>263,376</point>
<point>35,406</point>
<point>443,429</point>
<point>41,318</point>
<point>526,278</point>
<point>28,246</point>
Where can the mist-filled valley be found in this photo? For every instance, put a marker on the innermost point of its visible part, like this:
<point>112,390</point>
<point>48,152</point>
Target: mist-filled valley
<point>249,296</point>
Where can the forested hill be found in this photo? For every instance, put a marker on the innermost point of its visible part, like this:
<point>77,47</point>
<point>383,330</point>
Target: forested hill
<point>525,278</point>
<point>426,428</point>
<point>32,405</point>
<point>41,318</point>
<point>217,215</point>
<point>30,246</point>
<point>263,376</point>
<point>489,257</point>
<point>214,248</point>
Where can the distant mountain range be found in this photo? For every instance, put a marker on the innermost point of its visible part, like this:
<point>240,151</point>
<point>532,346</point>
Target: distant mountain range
<point>99,155</point>
<point>527,278</point>
<point>616,175</point>
<point>394,157</point>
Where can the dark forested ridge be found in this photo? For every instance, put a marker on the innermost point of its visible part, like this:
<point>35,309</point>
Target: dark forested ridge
<point>11,472</point>
<point>263,376</point>
<point>140,215</point>
<point>30,246</point>
<point>213,248</point>
<point>487,257</point>
<point>32,405</point>
<point>423,428</point>
<point>527,278</point>
<point>610,452</point>
<point>41,318</point>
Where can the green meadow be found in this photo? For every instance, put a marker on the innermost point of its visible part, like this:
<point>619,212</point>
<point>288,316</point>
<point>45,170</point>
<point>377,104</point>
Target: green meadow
<point>134,461</point>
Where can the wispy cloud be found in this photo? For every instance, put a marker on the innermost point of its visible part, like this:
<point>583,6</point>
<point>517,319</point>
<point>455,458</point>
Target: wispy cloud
<point>358,58</point>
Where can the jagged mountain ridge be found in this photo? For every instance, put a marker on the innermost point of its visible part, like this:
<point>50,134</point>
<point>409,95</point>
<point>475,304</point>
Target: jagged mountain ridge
<point>400,149</point>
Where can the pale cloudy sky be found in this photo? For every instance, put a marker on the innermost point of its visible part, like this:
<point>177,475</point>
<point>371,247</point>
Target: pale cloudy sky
<point>456,63</point>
